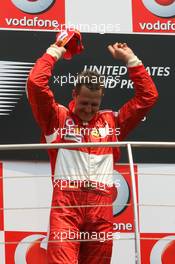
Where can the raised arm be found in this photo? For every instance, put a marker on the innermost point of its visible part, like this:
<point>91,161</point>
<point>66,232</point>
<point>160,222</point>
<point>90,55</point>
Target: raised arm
<point>46,111</point>
<point>40,96</point>
<point>146,95</point>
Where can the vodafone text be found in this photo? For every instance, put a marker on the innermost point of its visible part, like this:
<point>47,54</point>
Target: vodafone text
<point>32,22</point>
<point>162,26</point>
<point>122,226</point>
<point>48,23</point>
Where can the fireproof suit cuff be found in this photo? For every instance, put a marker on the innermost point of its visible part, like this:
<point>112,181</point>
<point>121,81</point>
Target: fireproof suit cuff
<point>134,61</point>
<point>56,51</point>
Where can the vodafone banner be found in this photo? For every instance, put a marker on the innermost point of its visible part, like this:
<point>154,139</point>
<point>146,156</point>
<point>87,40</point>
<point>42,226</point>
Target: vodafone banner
<point>153,16</point>
<point>158,248</point>
<point>123,204</point>
<point>28,248</point>
<point>32,14</point>
<point>145,16</point>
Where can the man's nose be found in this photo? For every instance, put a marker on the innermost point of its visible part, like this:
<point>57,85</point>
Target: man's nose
<point>88,109</point>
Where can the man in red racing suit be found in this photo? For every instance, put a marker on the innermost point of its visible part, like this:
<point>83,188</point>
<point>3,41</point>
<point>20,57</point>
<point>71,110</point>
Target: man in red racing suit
<point>81,213</point>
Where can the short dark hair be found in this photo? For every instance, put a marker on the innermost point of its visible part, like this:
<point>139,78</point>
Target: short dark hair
<point>91,79</point>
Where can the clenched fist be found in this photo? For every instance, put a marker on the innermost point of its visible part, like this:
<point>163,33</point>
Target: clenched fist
<point>121,51</point>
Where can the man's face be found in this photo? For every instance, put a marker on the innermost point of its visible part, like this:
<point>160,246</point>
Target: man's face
<point>87,103</point>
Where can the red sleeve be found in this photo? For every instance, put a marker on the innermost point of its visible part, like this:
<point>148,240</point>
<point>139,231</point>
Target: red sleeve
<point>44,108</point>
<point>135,109</point>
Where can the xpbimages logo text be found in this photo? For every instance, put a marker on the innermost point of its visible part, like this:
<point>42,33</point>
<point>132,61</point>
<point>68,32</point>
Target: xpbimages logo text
<point>154,16</point>
<point>32,15</point>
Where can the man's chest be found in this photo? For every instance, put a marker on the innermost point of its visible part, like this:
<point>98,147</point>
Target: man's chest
<point>98,131</point>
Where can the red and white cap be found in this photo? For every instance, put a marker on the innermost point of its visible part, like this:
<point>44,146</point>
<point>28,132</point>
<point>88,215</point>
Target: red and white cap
<point>71,40</point>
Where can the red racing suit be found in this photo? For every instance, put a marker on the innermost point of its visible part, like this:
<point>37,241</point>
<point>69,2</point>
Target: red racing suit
<point>88,165</point>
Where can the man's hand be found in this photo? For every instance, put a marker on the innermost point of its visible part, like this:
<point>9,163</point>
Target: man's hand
<point>71,40</point>
<point>121,51</point>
